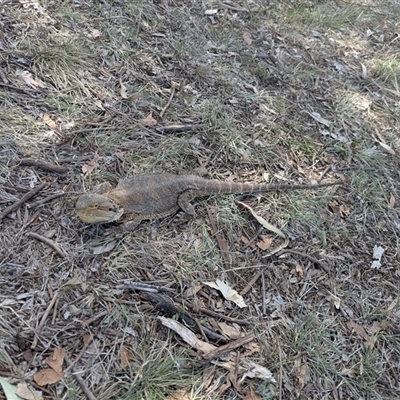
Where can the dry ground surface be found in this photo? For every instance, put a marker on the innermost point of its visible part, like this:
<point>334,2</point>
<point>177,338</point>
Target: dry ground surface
<point>277,91</point>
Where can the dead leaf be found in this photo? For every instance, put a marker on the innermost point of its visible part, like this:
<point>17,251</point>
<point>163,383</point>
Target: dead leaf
<point>56,359</point>
<point>339,209</point>
<point>104,248</point>
<point>387,148</point>
<point>392,200</point>
<point>319,119</point>
<point>230,331</point>
<point>124,94</point>
<point>27,392</point>
<point>377,256</point>
<point>149,120</point>
<point>264,244</point>
<point>95,33</point>
<point>302,375</point>
<point>180,394</point>
<point>227,292</point>
<point>254,370</point>
<point>364,74</point>
<point>252,396</point>
<point>336,302</point>
<point>358,329</point>
<point>26,76</point>
<point>245,241</point>
<point>134,96</point>
<point>187,335</point>
<point>47,376</point>
<point>298,270</point>
<point>191,291</point>
<point>263,222</point>
<point>263,107</point>
<point>99,104</point>
<point>247,38</point>
<point>164,4</point>
<point>370,342</point>
<point>74,281</point>
<point>89,166</point>
<point>211,12</point>
<point>49,122</point>
<point>126,356</point>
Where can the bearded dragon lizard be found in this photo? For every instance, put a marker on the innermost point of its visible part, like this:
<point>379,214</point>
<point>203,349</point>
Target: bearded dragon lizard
<point>158,195</point>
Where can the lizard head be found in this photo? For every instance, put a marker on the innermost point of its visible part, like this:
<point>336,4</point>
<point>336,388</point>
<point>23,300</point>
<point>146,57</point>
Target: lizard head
<point>95,208</point>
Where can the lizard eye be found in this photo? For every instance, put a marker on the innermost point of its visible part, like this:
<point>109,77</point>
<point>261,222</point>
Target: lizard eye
<point>110,209</point>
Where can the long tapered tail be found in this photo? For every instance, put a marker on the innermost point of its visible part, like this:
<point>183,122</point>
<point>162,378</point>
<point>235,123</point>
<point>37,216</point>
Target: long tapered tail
<point>214,187</point>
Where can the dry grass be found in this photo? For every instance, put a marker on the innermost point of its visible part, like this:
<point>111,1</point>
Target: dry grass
<point>317,96</point>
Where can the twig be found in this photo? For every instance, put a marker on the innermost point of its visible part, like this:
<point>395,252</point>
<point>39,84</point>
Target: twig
<point>90,320</point>
<point>43,165</point>
<point>223,317</point>
<point>79,356</point>
<point>298,253</point>
<point>17,89</point>
<point>81,382</point>
<point>45,200</point>
<point>222,243</point>
<point>233,8</point>
<point>144,287</point>
<point>179,128</point>
<point>169,101</point>
<point>15,189</point>
<point>253,239</point>
<point>75,159</point>
<point>280,379</point>
<point>43,320</point>
<point>47,241</point>
<point>264,303</point>
<point>251,283</point>
<point>22,200</point>
<point>228,347</point>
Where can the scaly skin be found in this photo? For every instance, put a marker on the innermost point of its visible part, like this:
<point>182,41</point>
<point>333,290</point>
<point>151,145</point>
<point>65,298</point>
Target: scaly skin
<point>158,195</point>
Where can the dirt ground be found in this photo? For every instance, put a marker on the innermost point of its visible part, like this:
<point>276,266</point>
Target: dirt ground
<point>283,295</point>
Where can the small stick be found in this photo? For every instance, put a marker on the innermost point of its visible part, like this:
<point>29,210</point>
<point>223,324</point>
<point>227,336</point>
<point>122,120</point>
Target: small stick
<point>223,317</point>
<point>45,200</point>
<point>75,159</point>
<point>251,283</point>
<point>264,303</point>
<point>169,101</point>
<point>79,356</point>
<point>228,347</point>
<point>222,243</point>
<point>144,287</point>
<point>253,239</point>
<point>90,320</point>
<point>233,8</point>
<point>22,200</point>
<point>298,253</point>
<point>81,382</point>
<point>15,189</point>
<point>43,320</point>
<point>43,165</point>
<point>179,128</point>
<point>47,241</point>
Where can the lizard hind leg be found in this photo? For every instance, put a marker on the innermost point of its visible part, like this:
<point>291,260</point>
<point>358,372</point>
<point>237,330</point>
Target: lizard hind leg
<point>184,202</point>
<point>103,188</point>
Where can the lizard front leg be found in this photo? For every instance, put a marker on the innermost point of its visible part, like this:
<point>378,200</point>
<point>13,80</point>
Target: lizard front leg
<point>131,223</point>
<point>184,200</point>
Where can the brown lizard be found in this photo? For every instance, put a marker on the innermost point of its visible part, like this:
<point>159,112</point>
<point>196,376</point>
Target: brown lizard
<point>158,195</point>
